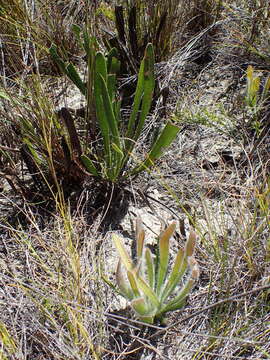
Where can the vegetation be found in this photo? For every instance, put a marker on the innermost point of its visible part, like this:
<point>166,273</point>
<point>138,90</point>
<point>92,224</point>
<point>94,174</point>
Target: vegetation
<point>118,140</point>
<point>123,111</point>
<point>146,285</point>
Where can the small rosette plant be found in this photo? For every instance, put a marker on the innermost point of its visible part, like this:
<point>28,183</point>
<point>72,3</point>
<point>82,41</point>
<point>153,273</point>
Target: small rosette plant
<point>148,283</point>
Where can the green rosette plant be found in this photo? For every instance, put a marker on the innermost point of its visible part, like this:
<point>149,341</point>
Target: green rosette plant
<point>151,286</point>
<point>63,148</point>
<point>110,157</point>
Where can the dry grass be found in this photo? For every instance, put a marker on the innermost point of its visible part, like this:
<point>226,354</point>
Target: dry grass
<point>53,302</point>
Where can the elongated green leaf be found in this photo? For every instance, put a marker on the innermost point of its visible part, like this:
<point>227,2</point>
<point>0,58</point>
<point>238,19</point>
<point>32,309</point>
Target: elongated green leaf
<point>148,89</point>
<point>150,268</point>
<point>100,70</point>
<point>122,282</point>
<point>117,149</point>
<point>112,87</point>
<point>125,258</point>
<point>190,244</point>
<point>178,301</point>
<point>142,285</point>
<point>142,100</point>
<point>56,58</point>
<point>100,66</point>
<point>165,139</point>
<point>164,242</point>
<point>4,96</point>
<point>90,167</point>
<point>117,110</point>
<point>136,106</point>
<point>13,100</point>
<point>180,265</point>
<point>7,342</point>
<point>109,111</point>
<point>253,84</point>
<point>105,116</point>
<point>76,29</point>
<point>112,286</point>
<point>75,77</point>
<point>33,152</point>
<point>90,44</point>
<point>29,128</point>
<point>177,273</point>
<point>133,284</point>
<point>113,64</point>
<point>175,306</point>
<point>249,74</point>
<point>87,43</point>
<point>140,237</point>
<point>69,70</point>
<point>114,132</point>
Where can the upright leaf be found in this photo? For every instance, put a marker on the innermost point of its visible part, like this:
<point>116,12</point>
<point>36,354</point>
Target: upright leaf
<point>164,242</point>
<point>125,258</point>
<point>142,285</point>
<point>136,106</point>
<point>54,54</point>
<point>164,140</point>
<point>149,85</point>
<point>101,71</point>
<point>177,273</point>
<point>150,268</point>
<point>122,282</point>
<point>113,64</point>
<point>190,244</point>
<point>114,137</point>
<point>133,284</point>
<point>140,236</point>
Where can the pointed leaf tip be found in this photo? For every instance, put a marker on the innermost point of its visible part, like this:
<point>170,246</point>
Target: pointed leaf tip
<point>190,244</point>
<point>195,272</point>
<point>125,258</point>
<point>140,237</point>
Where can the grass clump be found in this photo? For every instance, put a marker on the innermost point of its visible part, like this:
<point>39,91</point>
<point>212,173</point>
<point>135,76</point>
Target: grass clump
<point>54,295</point>
<point>29,28</point>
